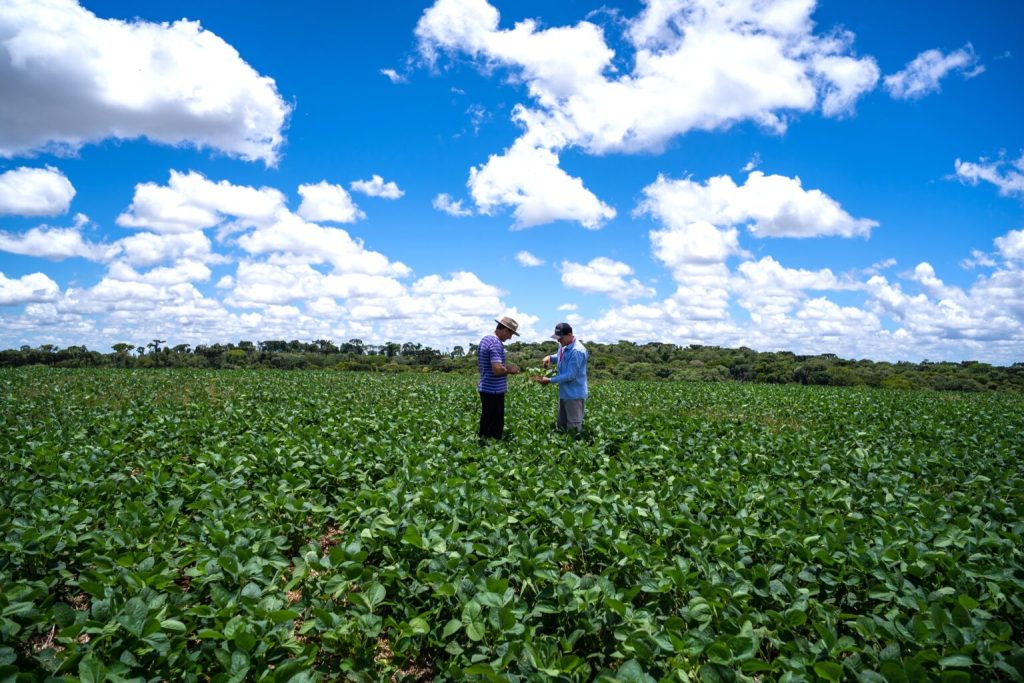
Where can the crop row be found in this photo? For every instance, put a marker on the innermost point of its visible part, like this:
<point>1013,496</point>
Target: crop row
<point>184,525</point>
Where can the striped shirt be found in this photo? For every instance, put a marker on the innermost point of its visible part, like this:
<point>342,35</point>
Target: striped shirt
<point>490,351</point>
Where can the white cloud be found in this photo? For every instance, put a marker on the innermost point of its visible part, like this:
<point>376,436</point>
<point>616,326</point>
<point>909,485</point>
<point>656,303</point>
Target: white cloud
<point>879,266</point>
<point>977,259</point>
<point>698,65</point>
<point>529,179</point>
<point>190,202</point>
<point>393,76</point>
<point>528,260</point>
<point>921,76</point>
<point>924,274</point>
<point>567,307</point>
<point>171,83</point>
<point>828,323</point>
<point>842,80</point>
<point>327,202</point>
<point>1011,245</point>
<point>443,202</point>
<point>754,162</point>
<point>55,244</point>
<point>604,276</point>
<point>769,291</point>
<point>147,248</point>
<point>28,191</point>
<point>181,272</point>
<point>293,240</point>
<point>770,206</point>
<point>1009,183</point>
<point>260,284</point>
<point>376,187</point>
<point>31,288</point>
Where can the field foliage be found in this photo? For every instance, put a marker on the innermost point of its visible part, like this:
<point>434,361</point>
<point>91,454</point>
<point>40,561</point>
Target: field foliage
<point>246,525</point>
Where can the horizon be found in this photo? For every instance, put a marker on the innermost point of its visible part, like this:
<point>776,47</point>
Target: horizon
<point>167,345</point>
<point>797,177</point>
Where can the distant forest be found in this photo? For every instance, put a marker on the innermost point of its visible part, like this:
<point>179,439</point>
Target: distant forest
<point>623,360</point>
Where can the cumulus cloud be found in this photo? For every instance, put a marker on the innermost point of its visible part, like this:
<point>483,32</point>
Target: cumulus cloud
<point>604,276</point>
<point>28,191</point>
<point>444,202</point>
<point>280,288</point>
<point>190,202</point>
<point>768,290</point>
<point>769,205</point>
<point>530,179</point>
<point>921,76</point>
<point>1011,245</point>
<point>31,288</point>
<point>292,240</point>
<point>697,65</point>
<point>829,323</point>
<point>327,202</point>
<point>55,244</point>
<point>185,270</point>
<point>172,83</point>
<point>528,260</point>
<point>376,187</point>
<point>147,248</point>
<point>1010,183</point>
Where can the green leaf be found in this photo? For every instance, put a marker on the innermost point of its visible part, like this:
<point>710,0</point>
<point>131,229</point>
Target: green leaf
<point>91,670</point>
<point>956,660</point>
<point>374,594</point>
<point>830,671</point>
<point>172,625</point>
<point>451,627</point>
<point>209,634</point>
<point>133,616</point>
<point>475,630</point>
<point>419,626</point>
<point>632,672</point>
<point>283,615</point>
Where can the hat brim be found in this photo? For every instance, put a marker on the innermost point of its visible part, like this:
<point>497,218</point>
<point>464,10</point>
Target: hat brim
<point>507,327</point>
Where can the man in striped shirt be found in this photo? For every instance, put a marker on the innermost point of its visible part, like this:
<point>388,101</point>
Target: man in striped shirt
<point>494,378</point>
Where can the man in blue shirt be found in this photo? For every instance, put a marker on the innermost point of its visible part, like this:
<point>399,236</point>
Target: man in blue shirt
<point>494,374</point>
<point>571,365</point>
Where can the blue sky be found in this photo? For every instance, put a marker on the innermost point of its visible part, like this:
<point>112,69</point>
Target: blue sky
<point>822,178</point>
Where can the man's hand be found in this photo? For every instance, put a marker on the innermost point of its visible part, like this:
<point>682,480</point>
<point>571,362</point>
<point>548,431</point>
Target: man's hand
<point>512,369</point>
<point>543,380</point>
<point>546,361</point>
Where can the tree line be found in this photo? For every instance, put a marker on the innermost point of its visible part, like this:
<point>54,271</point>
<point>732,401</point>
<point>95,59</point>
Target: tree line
<point>622,360</point>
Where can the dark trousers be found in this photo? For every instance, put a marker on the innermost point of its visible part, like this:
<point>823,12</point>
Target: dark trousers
<point>492,415</point>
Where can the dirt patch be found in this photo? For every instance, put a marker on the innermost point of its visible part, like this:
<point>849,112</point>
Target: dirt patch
<point>331,538</point>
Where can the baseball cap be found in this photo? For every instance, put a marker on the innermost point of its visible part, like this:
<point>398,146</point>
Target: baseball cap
<point>562,330</point>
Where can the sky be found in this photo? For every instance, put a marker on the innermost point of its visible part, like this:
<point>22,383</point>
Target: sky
<point>815,177</point>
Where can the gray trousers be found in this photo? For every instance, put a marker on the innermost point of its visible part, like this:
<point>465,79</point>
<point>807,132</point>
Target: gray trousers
<point>570,413</point>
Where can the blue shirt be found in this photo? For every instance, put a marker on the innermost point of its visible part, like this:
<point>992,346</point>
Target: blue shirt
<point>571,377</point>
<point>490,351</point>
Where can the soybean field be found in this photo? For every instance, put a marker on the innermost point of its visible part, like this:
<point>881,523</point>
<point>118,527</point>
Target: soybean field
<point>184,525</point>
